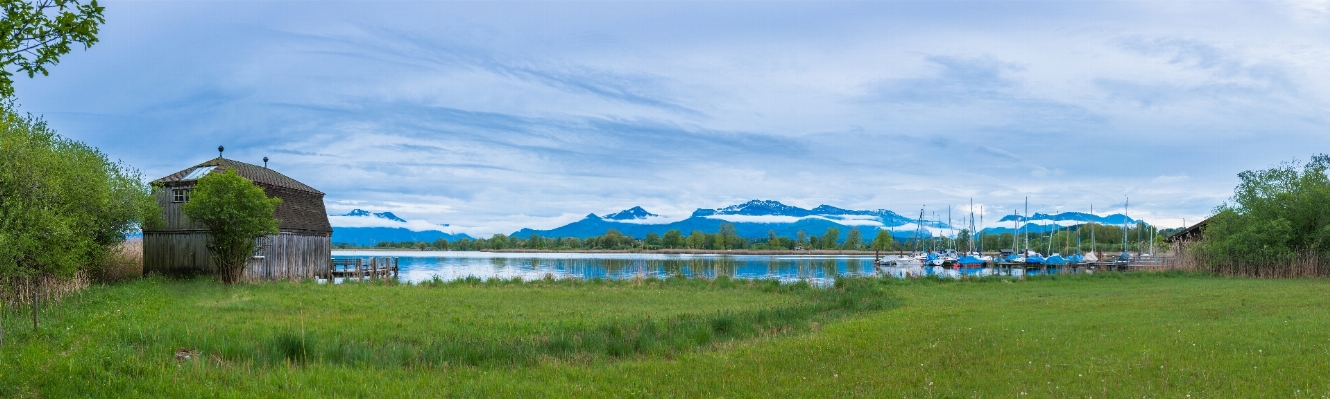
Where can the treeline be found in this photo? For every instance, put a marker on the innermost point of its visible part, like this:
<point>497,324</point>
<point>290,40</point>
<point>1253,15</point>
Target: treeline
<point>1108,238</point>
<point>724,239</point>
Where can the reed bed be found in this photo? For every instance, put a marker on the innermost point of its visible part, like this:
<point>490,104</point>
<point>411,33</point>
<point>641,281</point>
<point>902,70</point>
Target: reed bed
<point>1304,265</point>
<point>124,263</point>
<point>18,292</point>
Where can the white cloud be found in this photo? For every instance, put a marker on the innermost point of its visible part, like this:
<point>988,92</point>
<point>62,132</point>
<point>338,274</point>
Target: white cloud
<point>498,119</point>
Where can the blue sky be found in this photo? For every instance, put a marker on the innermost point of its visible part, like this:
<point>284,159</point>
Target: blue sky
<point>495,116</point>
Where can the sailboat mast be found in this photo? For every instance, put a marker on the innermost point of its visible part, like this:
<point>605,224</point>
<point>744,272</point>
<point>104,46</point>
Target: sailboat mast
<point>1092,242</point>
<point>1027,225</point>
<point>1125,206</point>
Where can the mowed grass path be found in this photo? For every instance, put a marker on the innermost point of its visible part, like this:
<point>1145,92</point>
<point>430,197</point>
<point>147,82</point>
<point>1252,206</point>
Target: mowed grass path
<point>1116,336</point>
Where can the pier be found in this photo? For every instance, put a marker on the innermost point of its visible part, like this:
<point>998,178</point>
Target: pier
<point>362,268</point>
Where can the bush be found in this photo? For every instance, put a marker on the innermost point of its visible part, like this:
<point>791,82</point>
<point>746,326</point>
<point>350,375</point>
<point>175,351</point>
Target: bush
<point>63,206</point>
<point>1277,216</point>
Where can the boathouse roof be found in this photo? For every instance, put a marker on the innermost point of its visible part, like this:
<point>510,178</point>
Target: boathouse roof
<point>258,174</point>
<point>301,208</point>
<point>1192,233</point>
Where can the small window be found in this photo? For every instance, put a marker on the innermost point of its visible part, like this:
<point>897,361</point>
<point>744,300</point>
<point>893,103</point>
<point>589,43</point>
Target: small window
<point>198,173</point>
<point>180,195</point>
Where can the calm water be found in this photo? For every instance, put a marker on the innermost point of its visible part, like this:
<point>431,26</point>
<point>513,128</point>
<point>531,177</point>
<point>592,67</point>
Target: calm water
<point>424,265</point>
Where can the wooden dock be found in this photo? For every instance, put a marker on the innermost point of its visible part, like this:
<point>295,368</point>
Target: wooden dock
<point>362,268</point>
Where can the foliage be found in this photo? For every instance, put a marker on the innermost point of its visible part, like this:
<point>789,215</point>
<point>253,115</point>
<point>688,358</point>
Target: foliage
<point>35,33</point>
<point>853,239</point>
<point>1276,215</point>
<point>63,205</point>
<point>237,213</point>
<point>883,241</point>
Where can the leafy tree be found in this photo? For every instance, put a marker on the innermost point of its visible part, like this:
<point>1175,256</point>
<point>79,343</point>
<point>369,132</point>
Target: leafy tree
<point>696,239</point>
<point>236,213</point>
<point>853,240</point>
<point>882,241</point>
<point>36,33</point>
<point>652,240</point>
<point>1275,215</point>
<point>963,240</point>
<point>673,239</point>
<point>498,241</point>
<point>63,205</point>
<point>801,238</point>
<point>725,235</point>
<point>831,237</point>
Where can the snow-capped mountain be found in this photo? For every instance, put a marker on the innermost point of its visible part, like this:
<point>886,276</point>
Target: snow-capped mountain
<point>768,211</point>
<point>758,218</point>
<point>380,215</point>
<point>363,227</point>
<point>634,213</point>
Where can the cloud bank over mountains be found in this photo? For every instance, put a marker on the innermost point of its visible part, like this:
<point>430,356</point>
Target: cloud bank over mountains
<point>496,118</point>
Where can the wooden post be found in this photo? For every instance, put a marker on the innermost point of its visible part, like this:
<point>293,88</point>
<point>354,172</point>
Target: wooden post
<point>34,307</point>
<point>396,268</point>
<point>374,268</point>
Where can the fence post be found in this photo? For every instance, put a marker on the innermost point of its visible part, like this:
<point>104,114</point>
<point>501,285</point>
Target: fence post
<point>34,308</point>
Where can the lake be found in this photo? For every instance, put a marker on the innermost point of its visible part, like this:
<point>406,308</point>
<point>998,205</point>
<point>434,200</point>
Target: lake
<point>451,265</point>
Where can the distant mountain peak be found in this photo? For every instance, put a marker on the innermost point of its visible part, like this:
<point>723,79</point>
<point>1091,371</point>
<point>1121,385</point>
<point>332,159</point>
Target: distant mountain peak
<point>381,215</point>
<point>759,208</point>
<point>634,213</point>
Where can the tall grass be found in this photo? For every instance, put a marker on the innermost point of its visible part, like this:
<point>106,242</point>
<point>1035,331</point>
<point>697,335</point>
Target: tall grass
<point>1308,264</point>
<point>125,262</point>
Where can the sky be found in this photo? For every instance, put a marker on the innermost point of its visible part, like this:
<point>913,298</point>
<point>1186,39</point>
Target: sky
<point>491,116</point>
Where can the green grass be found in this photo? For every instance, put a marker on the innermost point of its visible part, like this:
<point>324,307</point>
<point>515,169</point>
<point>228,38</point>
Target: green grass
<point>1099,336</point>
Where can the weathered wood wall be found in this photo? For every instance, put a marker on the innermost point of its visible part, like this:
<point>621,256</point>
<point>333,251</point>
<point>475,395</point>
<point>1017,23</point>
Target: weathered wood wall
<point>176,253</point>
<point>289,256</point>
<point>286,256</point>
<point>173,217</point>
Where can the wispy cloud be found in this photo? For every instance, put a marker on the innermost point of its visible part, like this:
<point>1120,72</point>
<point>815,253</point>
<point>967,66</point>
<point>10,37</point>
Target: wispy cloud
<point>492,118</point>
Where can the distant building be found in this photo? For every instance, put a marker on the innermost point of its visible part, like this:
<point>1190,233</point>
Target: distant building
<point>1189,234</point>
<point>302,249</point>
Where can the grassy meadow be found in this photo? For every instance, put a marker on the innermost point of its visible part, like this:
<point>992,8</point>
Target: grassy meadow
<point>1110,335</point>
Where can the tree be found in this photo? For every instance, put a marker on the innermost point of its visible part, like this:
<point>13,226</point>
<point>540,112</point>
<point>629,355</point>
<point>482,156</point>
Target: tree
<point>652,240</point>
<point>63,205</point>
<point>236,213</point>
<point>853,240</point>
<point>963,240</point>
<point>831,237</point>
<point>882,241</point>
<point>673,239</point>
<point>1275,215</point>
<point>36,33</point>
<point>800,238</point>
<point>725,235</point>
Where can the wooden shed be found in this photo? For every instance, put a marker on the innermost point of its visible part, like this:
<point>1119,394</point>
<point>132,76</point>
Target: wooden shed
<point>303,248</point>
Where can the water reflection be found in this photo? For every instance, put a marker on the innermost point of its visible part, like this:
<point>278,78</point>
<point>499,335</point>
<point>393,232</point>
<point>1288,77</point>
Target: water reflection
<point>420,265</point>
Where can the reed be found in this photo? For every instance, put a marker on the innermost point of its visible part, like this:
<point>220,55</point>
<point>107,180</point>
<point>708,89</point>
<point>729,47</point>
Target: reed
<point>18,291</point>
<point>124,262</point>
<point>1307,264</point>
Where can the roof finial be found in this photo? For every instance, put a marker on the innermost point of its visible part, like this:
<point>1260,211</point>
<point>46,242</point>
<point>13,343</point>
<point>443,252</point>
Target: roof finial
<point>219,151</point>
<point>265,162</point>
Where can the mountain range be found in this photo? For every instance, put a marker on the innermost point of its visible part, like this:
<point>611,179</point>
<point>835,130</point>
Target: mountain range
<point>752,219</point>
<point>365,228</point>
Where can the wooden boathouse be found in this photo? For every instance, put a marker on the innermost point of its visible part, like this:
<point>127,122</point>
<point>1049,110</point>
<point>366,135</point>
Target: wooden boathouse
<point>302,249</point>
